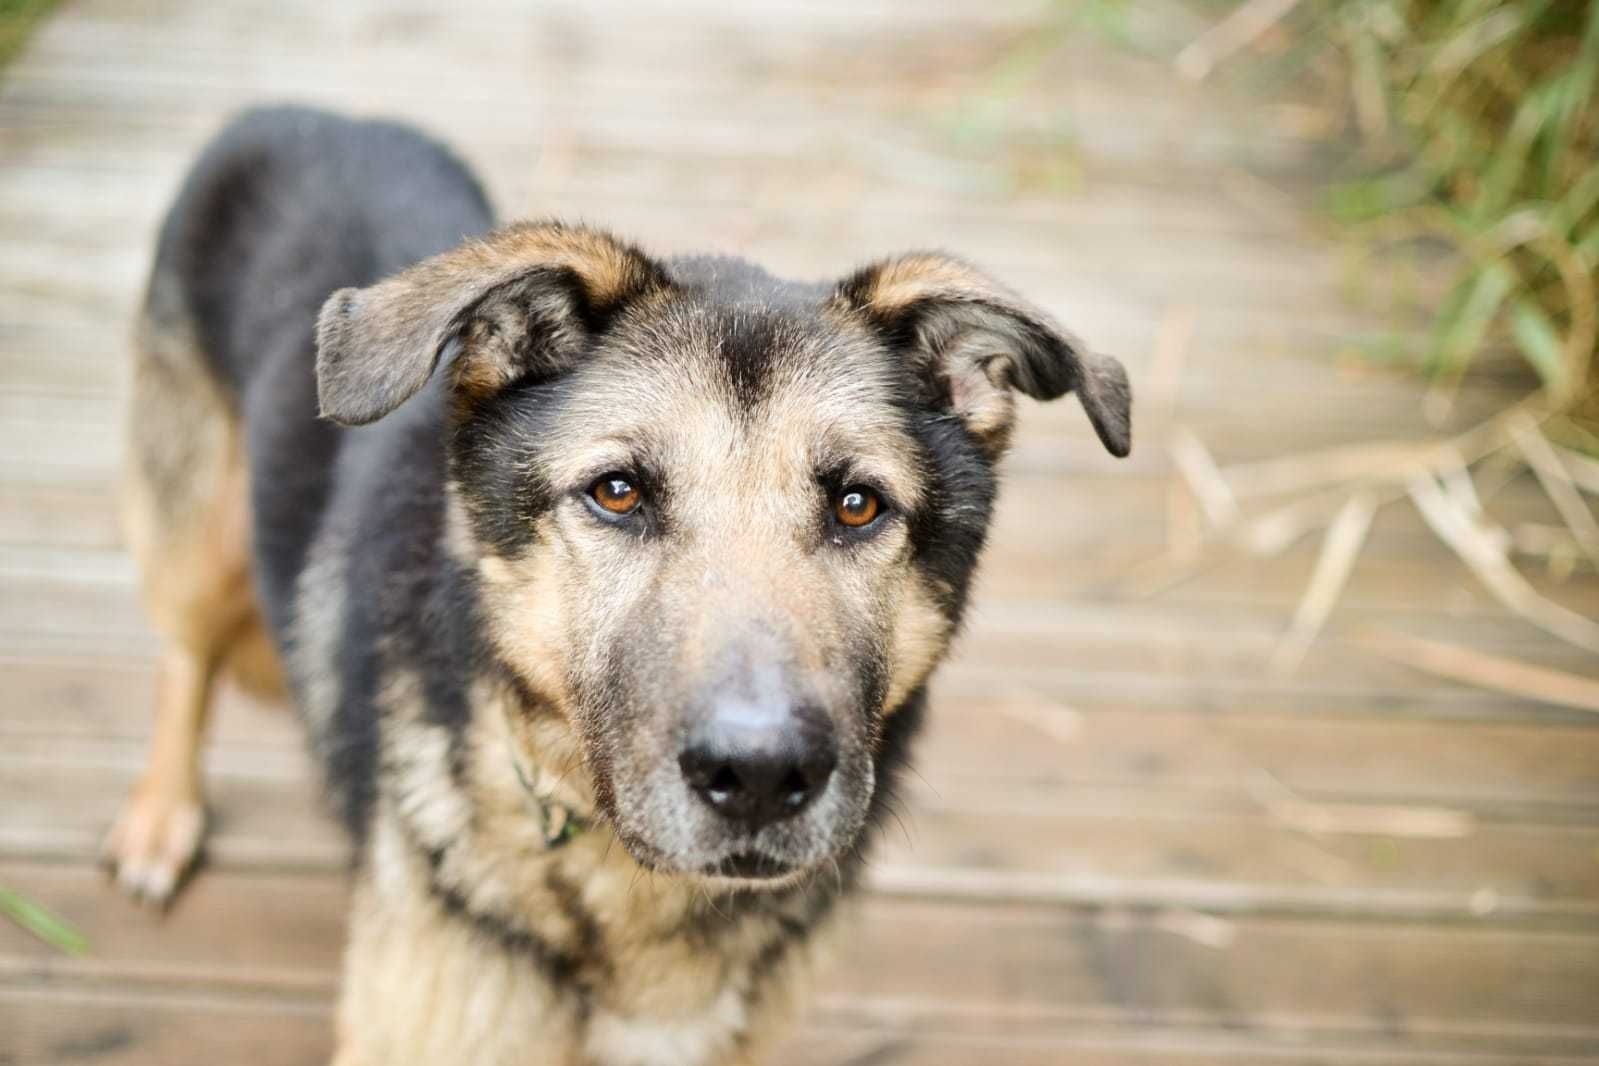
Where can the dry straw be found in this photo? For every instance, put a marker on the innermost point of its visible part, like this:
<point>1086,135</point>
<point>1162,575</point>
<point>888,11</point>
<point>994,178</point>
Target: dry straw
<point>1478,122</point>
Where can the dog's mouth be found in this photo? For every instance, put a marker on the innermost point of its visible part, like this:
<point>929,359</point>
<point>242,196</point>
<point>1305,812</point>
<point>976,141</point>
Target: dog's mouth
<point>752,866</point>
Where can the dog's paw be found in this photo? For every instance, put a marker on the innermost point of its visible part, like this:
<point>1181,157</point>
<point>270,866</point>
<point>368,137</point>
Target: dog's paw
<point>154,841</point>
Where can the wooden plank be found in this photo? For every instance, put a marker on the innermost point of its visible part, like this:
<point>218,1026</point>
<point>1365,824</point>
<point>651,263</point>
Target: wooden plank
<point>982,731</point>
<point>879,16</point>
<point>291,942</point>
<point>1216,851</point>
<point>113,699</point>
<point>643,51</point>
<point>1028,594</point>
<point>123,636</point>
<point>958,961</point>
<point>1291,356</point>
<point>59,601</point>
<point>60,515</point>
<point>86,152</point>
<point>1029,530</point>
<point>52,1025</point>
<point>980,734</point>
<point>260,821</point>
<point>1152,1046</point>
<point>1054,439</point>
<point>1217,271</point>
<point>159,145</point>
<point>45,1025</point>
<point>88,366</point>
<point>1116,303</point>
<point>1102,286</point>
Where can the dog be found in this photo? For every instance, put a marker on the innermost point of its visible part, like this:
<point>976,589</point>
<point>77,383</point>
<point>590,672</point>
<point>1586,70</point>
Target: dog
<point>608,586</point>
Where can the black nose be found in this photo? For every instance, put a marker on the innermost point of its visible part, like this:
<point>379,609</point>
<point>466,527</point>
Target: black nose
<point>759,765</point>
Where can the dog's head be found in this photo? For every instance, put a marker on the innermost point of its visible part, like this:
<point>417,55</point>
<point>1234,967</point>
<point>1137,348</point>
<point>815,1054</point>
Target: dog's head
<point>723,525</point>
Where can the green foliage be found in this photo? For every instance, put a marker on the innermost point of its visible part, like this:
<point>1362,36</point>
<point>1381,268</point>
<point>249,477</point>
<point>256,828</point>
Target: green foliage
<point>17,18</point>
<point>1480,120</point>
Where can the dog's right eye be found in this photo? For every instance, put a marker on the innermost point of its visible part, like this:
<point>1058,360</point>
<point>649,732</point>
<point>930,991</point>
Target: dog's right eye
<point>616,494</point>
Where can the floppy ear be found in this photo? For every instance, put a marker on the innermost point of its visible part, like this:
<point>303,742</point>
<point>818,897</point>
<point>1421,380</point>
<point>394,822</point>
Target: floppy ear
<point>977,342</point>
<point>524,299</point>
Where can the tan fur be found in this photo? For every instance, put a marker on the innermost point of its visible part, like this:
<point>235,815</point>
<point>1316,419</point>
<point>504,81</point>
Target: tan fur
<point>424,989</point>
<point>910,278</point>
<point>185,509</point>
<point>921,637</point>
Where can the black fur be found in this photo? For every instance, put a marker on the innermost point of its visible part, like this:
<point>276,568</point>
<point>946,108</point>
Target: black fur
<point>949,532</point>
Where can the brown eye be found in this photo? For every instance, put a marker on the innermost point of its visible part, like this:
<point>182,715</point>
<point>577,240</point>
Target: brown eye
<point>856,507</point>
<point>616,494</point>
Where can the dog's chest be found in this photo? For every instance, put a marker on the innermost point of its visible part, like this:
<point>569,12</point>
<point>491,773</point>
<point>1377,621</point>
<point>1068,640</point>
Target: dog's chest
<point>708,1036</point>
<point>652,982</point>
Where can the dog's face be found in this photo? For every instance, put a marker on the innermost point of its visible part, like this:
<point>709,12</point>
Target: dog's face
<point>723,526</point>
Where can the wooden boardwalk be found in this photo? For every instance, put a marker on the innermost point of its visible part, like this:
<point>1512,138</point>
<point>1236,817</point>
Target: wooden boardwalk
<point>1129,842</point>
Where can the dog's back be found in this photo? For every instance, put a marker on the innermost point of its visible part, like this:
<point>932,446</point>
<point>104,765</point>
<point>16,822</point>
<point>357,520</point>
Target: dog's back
<point>287,204</point>
<point>229,470</point>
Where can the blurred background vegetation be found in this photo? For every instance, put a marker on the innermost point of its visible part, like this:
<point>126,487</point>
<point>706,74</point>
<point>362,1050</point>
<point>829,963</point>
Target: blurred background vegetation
<point>1461,143</point>
<point>1452,146</point>
<point>1478,126</point>
<point>1468,128</point>
<point>1463,148</point>
<point>17,18</point>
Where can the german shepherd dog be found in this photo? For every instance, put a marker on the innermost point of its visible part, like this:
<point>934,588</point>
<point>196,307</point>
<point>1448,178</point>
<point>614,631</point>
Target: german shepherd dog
<point>608,586</point>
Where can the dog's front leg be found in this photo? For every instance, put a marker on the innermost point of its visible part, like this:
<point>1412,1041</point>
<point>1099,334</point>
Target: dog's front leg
<point>158,833</point>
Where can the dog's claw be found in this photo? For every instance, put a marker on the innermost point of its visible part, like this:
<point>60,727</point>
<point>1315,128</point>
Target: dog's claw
<point>153,843</point>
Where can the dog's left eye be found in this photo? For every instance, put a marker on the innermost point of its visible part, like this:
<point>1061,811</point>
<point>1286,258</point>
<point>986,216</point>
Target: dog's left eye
<point>857,506</point>
<point>616,494</point>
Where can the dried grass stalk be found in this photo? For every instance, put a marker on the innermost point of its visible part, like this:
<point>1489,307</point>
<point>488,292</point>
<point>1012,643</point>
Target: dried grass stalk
<point>1376,462</point>
<point>1483,550</point>
<point>1199,469</point>
<point>1583,469</point>
<point>1245,24</point>
<point>1557,482</point>
<point>1322,819</point>
<point>1495,672</point>
<point>1339,550</point>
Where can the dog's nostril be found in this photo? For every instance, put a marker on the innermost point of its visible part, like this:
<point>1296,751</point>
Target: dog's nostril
<point>796,789</point>
<point>724,782</point>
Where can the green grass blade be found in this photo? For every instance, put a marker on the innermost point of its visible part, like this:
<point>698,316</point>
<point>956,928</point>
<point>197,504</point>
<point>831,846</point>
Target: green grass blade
<point>1482,119</point>
<point>1461,333</point>
<point>1538,341</point>
<point>1534,115</point>
<point>1575,99</point>
<point>1580,199</point>
<point>41,923</point>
